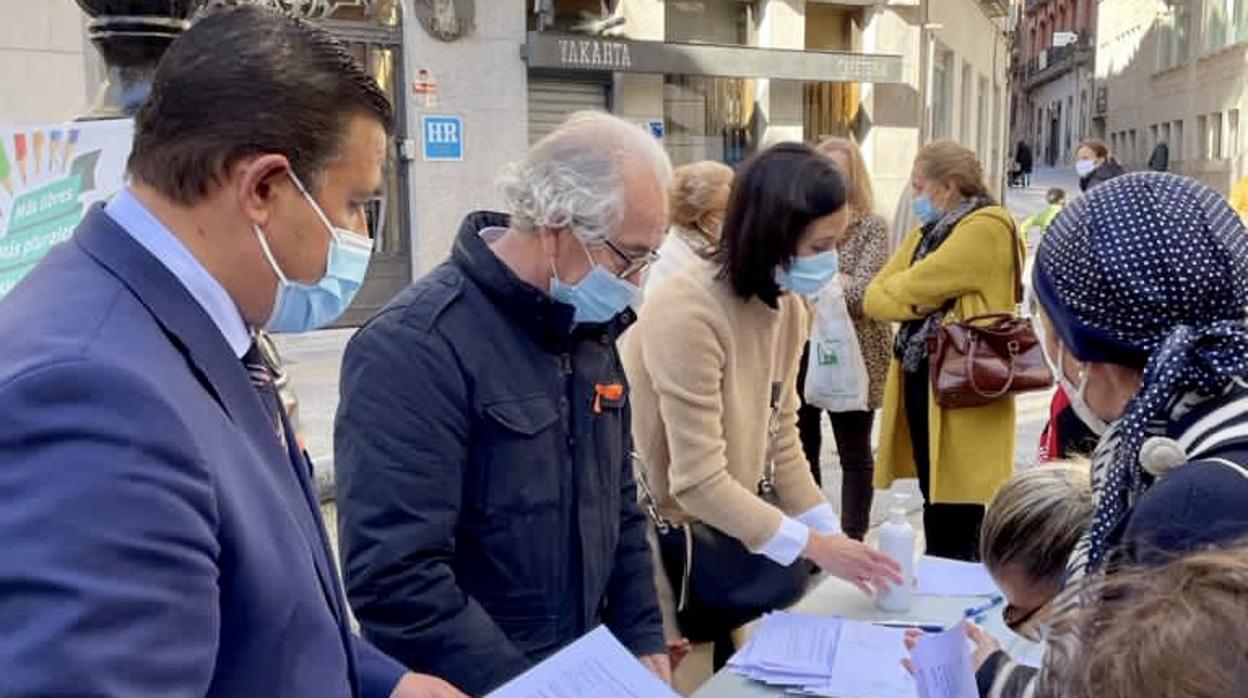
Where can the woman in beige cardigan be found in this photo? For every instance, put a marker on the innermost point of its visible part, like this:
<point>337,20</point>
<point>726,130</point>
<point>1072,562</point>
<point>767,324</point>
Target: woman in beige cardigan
<point>703,358</point>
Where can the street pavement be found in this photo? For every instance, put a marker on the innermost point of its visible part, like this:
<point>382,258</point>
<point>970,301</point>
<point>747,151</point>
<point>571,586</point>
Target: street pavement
<point>313,362</point>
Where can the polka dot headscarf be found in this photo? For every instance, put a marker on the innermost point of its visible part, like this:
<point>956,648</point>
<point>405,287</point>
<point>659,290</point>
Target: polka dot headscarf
<point>1149,270</point>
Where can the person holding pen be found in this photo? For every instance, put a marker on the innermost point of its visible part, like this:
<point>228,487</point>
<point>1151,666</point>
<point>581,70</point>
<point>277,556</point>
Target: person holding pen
<point>1030,530</point>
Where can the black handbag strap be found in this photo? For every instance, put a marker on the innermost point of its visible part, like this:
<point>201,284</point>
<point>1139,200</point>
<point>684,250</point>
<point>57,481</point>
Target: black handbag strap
<point>767,485</point>
<point>648,500</point>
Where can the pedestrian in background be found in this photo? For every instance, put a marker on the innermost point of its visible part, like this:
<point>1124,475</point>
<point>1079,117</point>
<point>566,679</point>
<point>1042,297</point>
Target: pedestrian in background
<point>1023,156</point>
<point>697,200</point>
<point>1095,165</point>
<point>1159,160</point>
<point>1056,198</point>
<point>863,253</point>
<point>960,263</point>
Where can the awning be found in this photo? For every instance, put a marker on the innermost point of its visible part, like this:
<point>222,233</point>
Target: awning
<point>608,54</point>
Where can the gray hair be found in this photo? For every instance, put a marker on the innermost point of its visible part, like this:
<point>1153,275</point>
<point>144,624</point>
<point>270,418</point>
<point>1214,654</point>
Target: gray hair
<point>1036,519</point>
<point>574,177</point>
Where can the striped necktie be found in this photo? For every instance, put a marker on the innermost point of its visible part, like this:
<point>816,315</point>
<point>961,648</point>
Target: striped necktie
<point>261,373</point>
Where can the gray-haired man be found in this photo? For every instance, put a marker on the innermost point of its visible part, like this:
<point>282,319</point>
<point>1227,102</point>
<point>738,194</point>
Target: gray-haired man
<point>486,498</point>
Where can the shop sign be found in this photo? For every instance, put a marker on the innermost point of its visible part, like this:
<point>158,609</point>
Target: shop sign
<point>570,52</point>
<point>595,53</point>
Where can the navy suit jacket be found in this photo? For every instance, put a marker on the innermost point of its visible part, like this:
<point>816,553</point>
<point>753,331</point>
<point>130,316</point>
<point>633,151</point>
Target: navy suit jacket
<point>158,540</point>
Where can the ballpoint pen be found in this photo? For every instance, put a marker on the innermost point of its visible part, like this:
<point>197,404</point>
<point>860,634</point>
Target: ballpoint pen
<point>977,613</point>
<point>904,624</point>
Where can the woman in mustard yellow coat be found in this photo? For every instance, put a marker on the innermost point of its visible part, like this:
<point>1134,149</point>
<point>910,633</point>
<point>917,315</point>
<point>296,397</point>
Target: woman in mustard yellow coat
<point>959,263</point>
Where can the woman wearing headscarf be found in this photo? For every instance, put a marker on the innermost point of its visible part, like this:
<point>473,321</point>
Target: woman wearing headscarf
<point>1143,286</point>
<point>1065,436</point>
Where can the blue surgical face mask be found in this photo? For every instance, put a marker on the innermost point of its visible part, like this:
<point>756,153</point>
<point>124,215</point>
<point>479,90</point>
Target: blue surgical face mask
<point>300,307</point>
<point>808,275</point>
<point>1084,167</point>
<point>598,297</point>
<point>925,210</point>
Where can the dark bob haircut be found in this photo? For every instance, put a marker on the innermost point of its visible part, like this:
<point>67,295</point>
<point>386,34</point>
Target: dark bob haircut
<point>775,197</point>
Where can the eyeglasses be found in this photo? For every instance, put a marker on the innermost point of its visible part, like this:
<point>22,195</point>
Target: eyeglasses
<point>1018,620</point>
<point>632,265</point>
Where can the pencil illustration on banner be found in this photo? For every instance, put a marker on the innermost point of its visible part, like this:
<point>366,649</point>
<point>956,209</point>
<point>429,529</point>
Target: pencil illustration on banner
<point>54,151</point>
<point>70,142</point>
<point>39,139</point>
<point>6,170</point>
<point>19,153</point>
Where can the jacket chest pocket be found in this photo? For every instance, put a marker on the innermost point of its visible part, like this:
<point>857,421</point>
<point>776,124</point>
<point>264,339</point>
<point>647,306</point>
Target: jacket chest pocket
<point>522,456</point>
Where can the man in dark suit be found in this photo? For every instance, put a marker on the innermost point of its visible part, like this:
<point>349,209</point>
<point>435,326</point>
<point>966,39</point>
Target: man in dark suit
<point>161,535</point>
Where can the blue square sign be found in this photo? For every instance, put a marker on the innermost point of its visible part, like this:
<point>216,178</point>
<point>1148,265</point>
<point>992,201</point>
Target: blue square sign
<point>443,137</point>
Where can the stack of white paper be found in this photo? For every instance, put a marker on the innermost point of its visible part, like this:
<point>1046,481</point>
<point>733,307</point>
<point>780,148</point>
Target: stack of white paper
<point>826,657</point>
<point>938,576</point>
<point>787,649</point>
<point>595,666</point>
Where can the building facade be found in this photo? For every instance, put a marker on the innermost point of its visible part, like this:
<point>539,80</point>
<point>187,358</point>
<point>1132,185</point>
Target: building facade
<point>1174,73</point>
<point>475,82</point>
<point>50,70</point>
<point>1053,77</point>
<point>714,79</point>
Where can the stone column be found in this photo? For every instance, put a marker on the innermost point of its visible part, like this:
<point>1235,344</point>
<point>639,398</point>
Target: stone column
<point>892,111</point>
<point>780,24</point>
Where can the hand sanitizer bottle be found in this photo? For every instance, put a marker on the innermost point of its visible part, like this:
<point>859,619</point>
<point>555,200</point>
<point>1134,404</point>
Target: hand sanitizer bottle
<point>897,541</point>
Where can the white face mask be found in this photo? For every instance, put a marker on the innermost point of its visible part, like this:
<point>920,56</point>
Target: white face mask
<point>1078,396</point>
<point>1084,167</point>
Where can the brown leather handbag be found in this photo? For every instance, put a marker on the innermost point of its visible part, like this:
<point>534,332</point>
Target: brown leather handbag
<point>984,358</point>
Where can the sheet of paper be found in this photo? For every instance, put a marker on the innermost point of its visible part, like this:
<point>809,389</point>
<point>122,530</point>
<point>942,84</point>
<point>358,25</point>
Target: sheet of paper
<point>595,666</point>
<point>942,665</point>
<point>941,577</point>
<point>868,664</point>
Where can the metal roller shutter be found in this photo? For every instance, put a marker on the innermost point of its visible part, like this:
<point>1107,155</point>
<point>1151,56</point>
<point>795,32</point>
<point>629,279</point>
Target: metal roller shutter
<point>552,101</point>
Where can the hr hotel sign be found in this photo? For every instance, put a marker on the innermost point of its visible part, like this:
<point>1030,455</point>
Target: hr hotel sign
<point>595,54</point>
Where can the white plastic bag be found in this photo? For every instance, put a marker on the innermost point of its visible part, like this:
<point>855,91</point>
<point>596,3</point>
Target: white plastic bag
<point>836,374</point>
